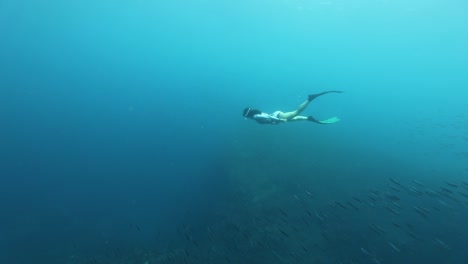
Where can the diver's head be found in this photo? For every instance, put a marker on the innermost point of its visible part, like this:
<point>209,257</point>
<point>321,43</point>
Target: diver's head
<point>249,112</point>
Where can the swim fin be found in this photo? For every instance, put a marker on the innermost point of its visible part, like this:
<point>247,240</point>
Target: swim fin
<point>313,96</point>
<point>324,122</point>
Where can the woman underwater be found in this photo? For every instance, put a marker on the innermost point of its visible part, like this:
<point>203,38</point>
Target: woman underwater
<point>280,117</point>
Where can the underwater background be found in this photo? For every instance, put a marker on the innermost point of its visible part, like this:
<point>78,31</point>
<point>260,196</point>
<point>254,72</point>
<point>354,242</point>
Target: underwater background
<point>122,138</point>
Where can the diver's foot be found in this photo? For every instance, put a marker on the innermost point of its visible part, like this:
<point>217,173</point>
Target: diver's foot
<point>312,119</point>
<point>313,96</point>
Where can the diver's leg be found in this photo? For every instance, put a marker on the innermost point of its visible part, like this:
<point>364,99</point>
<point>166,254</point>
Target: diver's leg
<point>312,119</point>
<point>326,121</point>
<point>298,118</point>
<point>292,114</point>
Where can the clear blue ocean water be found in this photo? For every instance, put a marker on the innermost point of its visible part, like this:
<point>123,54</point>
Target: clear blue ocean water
<point>122,138</point>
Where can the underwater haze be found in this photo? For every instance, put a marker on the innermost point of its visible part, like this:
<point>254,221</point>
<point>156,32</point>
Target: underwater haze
<point>122,138</point>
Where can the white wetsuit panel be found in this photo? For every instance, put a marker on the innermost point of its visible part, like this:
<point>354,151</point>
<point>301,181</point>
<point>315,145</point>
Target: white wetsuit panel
<point>276,113</point>
<point>265,118</point>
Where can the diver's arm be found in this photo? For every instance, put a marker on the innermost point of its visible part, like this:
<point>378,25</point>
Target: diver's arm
<point>274,118</point>
<point>267,119</point>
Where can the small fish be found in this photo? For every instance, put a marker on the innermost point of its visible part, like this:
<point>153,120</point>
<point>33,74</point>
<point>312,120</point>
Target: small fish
<point>324,235</point>
<point>463,194</point>
<point>394,188</point>
<point>451,197</point>
<point>357,199</point>
<point>442,202</point>
<point>441,243</point>
<point>392,210</point>
<point>392,196</point>
<point>431,193</point>
<point>418,183</point>
<point>283,213</point>
<point>415,192</point>
<point>353,206</point>
<point>424,210</point>
<point>446,190</point>
<point>377,229</point>
<point>297,197</point>
<point>396,204</point>
<point>365,251</point>
<point>420,211</point>
<point>283,232</point>
<point>236,227</point>
<point>451,184</point>
<point>310,194</point>
<point>318,216</point>
<point>394,181</point>
<point>411,235</point>
<point>340,205</point>
<point>117,252</point>
<point>394,247</point>
<point>261,244</point>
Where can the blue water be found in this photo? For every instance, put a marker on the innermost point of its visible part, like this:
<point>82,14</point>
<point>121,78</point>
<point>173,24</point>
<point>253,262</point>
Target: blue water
<point>122,139</point>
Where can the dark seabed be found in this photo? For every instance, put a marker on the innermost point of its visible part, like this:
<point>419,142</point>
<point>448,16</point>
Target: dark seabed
<point>122,139</point>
